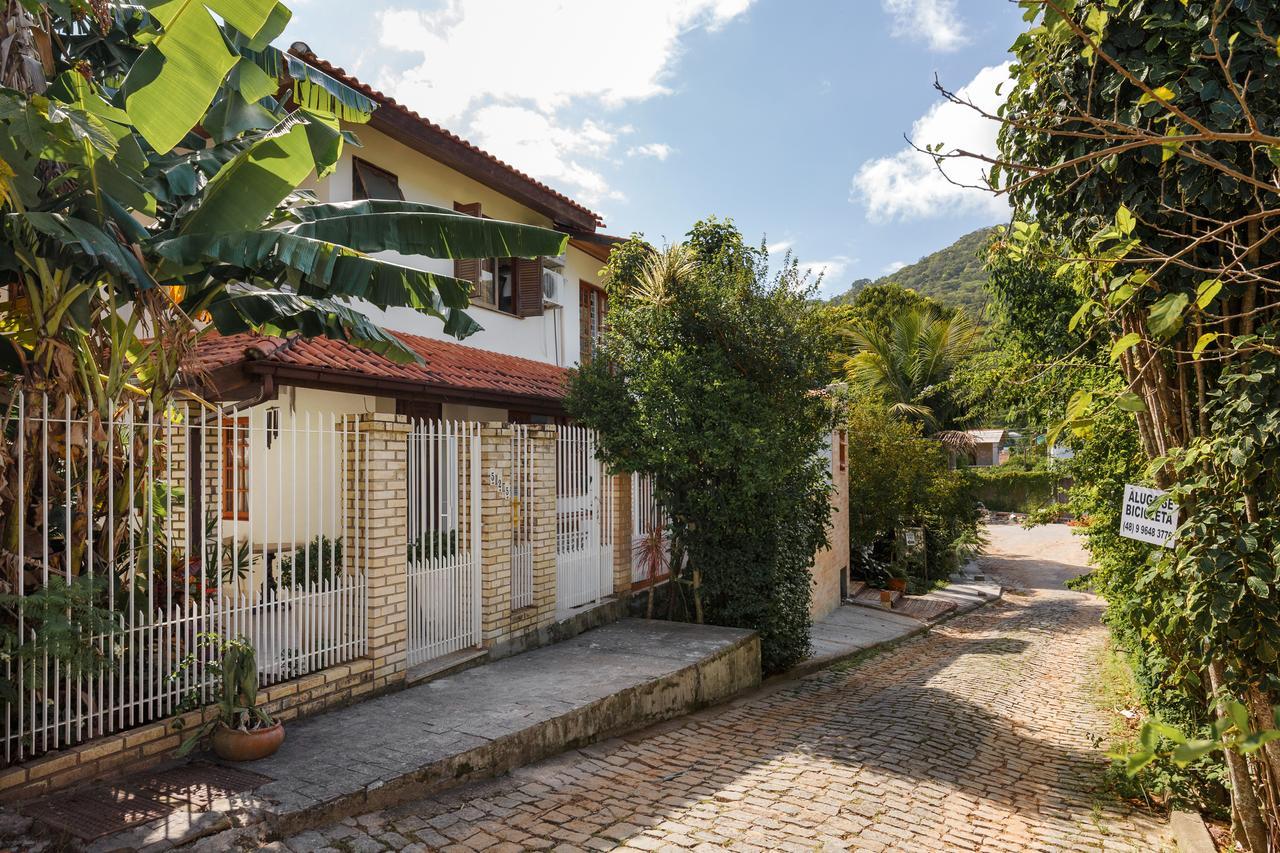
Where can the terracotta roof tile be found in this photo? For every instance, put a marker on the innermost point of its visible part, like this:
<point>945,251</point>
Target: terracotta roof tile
<point>444,364</point>
<point>386,100</point>
<point>215,350</point>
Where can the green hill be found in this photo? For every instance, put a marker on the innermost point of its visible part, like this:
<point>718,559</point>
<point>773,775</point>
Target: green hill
<point>953,276</point>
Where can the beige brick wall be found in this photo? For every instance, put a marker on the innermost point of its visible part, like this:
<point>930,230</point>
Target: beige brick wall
<point>154,743</point>
<point>621,534</point>
<point>376,508</point>
<point>501,621</point>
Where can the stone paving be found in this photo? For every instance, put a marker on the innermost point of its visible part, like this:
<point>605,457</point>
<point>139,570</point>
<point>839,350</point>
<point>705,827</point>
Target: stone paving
<point>975,736</point>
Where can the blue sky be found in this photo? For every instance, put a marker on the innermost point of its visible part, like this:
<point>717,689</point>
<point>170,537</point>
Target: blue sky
<point>786,115</point>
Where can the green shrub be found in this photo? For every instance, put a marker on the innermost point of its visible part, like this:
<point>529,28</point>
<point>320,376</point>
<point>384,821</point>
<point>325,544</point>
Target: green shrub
<point>1013,489</point>
<point>899,479</point>
<point>317,564</point>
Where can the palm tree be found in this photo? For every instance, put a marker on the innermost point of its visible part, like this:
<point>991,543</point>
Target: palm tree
<point>908,363</point>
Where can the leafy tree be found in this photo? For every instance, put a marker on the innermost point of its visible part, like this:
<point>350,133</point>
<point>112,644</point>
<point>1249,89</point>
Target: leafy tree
<point>877,305</point>
<point>707,382</point>
<point>1137,144</point>
<point>897,479</point>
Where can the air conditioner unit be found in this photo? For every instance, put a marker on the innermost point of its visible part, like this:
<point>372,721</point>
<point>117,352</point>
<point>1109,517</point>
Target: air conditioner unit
<point>552,285</point>
<point>554,261</point>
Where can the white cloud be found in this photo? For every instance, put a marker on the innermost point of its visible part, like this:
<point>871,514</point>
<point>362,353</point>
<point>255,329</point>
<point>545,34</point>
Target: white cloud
<point>657,150</point>
<point>893,266</point>
<point>536,144</point>
<point>933,21</point>
<point>544,58</point>
<point>832,270</point>
<point>779,247</point>
<point>908,185</point>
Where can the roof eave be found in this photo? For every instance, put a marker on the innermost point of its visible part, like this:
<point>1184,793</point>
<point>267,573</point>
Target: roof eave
<point>357,382</point>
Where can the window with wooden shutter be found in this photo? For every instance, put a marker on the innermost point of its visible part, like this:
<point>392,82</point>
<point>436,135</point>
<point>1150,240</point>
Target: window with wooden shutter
<point>591,314</point>
<point>468,269</point>
<point>529,287</point>
<point>368,181</point>
<point>235,468</point>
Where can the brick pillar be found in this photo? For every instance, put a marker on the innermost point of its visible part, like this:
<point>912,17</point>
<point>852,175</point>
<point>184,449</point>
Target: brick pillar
<point>377,527</point>
<point>495,532</point>
<point>621,485</point>
<point>543,438</point>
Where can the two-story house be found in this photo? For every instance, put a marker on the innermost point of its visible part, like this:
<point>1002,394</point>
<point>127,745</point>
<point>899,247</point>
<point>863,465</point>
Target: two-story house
<point>539,316</point>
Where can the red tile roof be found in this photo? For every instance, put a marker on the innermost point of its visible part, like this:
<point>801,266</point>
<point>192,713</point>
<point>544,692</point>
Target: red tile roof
<point>457,368</point>
<point>386,101</point>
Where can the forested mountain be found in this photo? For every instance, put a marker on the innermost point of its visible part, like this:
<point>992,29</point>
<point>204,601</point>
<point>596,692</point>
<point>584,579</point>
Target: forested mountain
<point>953,276</point>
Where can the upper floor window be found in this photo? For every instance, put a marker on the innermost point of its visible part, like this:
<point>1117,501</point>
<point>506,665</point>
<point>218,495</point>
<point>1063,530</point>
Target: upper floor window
<point>592,305</point>
<point>497,285</point>
<point>368,181</point>
<point>510,285</point>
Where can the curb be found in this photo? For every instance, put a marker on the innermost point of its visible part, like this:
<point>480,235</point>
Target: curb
<point>1190,834</point>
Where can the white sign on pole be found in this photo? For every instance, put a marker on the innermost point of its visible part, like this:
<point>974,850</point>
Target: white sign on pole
<point>1148,516</point>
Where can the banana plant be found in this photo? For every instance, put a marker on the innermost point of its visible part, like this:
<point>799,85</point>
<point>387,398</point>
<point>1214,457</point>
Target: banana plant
<point>152,157</point>
<point>151,191</point>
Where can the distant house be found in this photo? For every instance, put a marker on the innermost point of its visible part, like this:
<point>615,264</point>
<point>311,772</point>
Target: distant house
<point>987,444</point>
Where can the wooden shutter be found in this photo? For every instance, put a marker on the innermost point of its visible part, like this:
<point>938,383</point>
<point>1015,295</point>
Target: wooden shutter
<point>529,287</point>
<point>469,268</point>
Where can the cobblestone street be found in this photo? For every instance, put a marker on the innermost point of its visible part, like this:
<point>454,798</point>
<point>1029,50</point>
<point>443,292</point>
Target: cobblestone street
<point>976,736</point>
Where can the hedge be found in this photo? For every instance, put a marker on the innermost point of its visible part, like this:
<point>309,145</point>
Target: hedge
<point>1004,489</point>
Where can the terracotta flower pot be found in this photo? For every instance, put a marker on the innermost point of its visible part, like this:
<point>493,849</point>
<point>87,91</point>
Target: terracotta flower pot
<point>234,745</point>
<point>898,584</point>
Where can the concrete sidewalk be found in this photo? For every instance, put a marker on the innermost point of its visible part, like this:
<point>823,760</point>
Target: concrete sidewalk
<point>854,628</point>
<point>471,725</point>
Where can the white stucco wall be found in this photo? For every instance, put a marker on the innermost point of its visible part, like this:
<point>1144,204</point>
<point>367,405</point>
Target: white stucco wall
<point>551,338</point>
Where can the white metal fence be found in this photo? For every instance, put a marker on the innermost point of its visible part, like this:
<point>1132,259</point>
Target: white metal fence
<point>521,497</point>
<point>444,538</point>
<point>143,529</point>
<point>647,517</point>
<point>584,521</point>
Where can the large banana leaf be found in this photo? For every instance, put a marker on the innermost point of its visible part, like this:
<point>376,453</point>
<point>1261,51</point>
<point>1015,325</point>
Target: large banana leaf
<point>84,241</point>
<point>241,308</point>
<point>312,88</point>
<point>175,79</point>
<point>420,229</point>
<point>250,186</point>
<point>325,269</point>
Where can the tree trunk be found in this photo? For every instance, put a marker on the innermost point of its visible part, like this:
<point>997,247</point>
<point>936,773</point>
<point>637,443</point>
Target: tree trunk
<point>1252,831</point>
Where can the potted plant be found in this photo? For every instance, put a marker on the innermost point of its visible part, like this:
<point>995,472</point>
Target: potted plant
<point>239,730</point>
<point>897,580</point>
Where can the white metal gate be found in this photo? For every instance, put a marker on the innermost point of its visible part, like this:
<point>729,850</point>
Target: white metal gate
<point>584,521</point>
<point>444,538</point>
<point>521,497</point>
